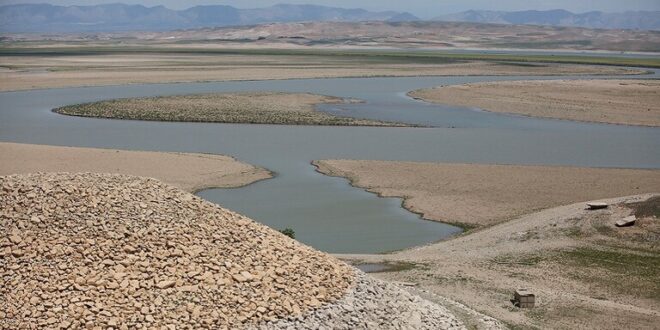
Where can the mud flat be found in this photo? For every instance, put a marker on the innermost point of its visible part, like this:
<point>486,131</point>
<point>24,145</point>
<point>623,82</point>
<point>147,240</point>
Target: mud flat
<point>187,171</point>
<point>478,195</point>
<point>251,108</point>
<point>629,102</point>
<point>116,251</point>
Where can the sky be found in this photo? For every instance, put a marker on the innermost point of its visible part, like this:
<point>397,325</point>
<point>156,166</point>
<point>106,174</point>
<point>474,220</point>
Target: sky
<point>421,8</point>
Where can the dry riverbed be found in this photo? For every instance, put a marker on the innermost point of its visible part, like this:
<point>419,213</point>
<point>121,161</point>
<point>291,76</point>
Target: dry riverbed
<point>250,107</point>
<point>188,171</point>
<point>629,102</point>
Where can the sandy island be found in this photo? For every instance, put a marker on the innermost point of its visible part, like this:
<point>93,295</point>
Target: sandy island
<point>188,171</point>
<point>249,108</point>
<point>585,271</point>
<point>629,102</point>
<point>480,195</point>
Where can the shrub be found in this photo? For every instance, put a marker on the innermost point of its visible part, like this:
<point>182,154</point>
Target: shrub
<point>289,232</point>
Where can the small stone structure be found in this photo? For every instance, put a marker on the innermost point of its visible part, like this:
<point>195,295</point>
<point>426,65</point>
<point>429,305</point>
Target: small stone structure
<point>523,298</point>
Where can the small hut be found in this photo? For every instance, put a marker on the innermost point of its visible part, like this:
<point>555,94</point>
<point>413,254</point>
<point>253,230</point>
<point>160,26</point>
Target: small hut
<point>523,298</point>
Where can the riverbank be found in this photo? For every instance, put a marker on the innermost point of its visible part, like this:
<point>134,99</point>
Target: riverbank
<point>44,67</point>
<point>628,102</point>
<point>188,171</point>
<point>478,195</point>
<point>273,108</point>
<point>585,271</point>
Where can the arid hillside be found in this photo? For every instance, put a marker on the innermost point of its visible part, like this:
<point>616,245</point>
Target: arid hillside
<point>385,35</point>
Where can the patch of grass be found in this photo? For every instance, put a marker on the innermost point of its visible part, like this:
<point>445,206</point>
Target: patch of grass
<point>615,269</point>
<point>389,267</point>
<point>389,56</point>
<point>648,208</point>
<point>519,259</point>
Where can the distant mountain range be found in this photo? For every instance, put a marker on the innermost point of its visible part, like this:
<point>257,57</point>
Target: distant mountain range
<point>122,17</point>
<point>118,17</point>
<point>638,20</point>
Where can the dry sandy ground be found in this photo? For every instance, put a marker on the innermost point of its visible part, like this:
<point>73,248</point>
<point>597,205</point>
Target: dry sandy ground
<point>188,171</point>
<point>482,195</point>
<point>31,72</point>
<point>585,272</point>
<point>630,102</point>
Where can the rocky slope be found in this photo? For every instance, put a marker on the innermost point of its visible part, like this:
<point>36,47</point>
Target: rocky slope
<point>118,251</point>
<point>114,251</point>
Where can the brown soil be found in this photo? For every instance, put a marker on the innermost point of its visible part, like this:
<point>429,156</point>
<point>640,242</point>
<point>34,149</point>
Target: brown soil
<point>630,102</point>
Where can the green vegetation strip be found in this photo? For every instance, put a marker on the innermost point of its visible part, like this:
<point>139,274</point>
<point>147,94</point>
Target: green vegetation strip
<point>249,108</point>
<point>416,56</point>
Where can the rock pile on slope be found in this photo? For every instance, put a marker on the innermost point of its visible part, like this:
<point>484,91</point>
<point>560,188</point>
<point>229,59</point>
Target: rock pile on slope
<point>111,251</point>
<point>373,304</point>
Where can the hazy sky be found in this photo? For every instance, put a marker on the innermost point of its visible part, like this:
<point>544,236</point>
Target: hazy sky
<point>422,8</point>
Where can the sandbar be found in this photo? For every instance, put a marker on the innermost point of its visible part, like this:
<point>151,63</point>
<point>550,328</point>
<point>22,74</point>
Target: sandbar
<point>628,102</point>
<point>188,171</point>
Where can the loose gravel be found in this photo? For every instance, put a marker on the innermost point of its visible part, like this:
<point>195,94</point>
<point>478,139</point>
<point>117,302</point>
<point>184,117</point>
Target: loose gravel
<point>373,304</point>
<point>113,251</point>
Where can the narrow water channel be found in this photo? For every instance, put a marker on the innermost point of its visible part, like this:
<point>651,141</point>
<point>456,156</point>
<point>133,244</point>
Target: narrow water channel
<point>327,212</point>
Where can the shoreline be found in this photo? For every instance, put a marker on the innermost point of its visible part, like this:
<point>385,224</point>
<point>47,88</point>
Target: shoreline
<point>67,79</point>
<point>202,171</point>
<point>319,167</point>
<point>372,176</point>
<point>632,74</point>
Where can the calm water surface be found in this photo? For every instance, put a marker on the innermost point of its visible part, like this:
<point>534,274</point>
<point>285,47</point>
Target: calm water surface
<point>326,212</point>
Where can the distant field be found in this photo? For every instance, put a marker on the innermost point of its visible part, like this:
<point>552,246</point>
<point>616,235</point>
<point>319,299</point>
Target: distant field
<point>369,56</point>
<point>55,65</point>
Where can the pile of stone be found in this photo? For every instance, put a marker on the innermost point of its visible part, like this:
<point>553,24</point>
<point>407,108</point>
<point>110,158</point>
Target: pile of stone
<point>112,251</point>
<point>374,304</point>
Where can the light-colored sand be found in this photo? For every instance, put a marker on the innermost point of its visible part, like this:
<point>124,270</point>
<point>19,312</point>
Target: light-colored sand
<point>481,195</point>
<point>248,107</point>
<point>188,171</point>
<point>630,102</point>
<point>30,72</point>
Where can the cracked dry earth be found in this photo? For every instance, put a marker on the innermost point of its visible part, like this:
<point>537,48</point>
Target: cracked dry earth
<point>101,251</point>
